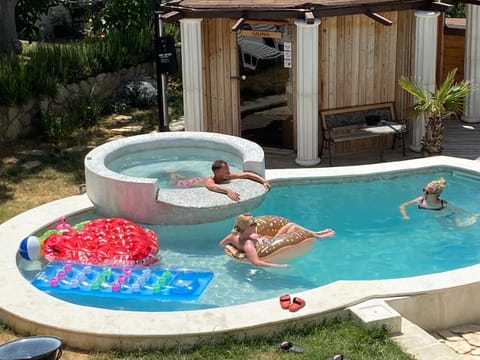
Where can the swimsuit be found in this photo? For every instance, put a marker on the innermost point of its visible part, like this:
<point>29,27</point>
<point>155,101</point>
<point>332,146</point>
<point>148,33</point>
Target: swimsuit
<point>188,183</point>
<point>442,206</point>
<point>262,241</point>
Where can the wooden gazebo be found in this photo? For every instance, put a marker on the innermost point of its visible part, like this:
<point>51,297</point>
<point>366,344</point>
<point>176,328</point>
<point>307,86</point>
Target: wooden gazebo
<point>343,54</point>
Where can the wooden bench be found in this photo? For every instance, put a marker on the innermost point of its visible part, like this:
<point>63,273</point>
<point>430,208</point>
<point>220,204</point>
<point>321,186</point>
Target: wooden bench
<point>350,124</point>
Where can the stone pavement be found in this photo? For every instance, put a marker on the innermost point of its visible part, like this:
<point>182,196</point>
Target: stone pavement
<point>464,340</point>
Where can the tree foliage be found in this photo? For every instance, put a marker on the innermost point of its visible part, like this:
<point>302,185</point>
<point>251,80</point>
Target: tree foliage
<point>124,15</point>
<point>459,10</point>
<point>28,14</point>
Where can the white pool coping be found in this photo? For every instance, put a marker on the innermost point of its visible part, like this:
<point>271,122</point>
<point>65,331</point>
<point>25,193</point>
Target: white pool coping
<point>143,200</point>
<point>30,311</point>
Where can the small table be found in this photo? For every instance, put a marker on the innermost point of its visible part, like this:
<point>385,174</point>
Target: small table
<point>388,128</point>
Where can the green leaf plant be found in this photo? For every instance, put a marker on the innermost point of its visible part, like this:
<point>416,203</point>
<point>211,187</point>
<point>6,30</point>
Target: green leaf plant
<point>437,106</point>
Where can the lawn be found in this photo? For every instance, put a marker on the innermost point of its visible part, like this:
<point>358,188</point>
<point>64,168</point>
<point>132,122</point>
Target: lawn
<point>58,174</point>
<point>317,342</point>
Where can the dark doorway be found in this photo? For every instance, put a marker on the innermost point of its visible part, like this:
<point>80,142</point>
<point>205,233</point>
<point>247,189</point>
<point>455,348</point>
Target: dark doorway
<point>265,68</point>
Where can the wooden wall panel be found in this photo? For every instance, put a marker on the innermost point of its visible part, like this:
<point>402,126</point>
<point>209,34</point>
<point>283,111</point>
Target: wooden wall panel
<point>221,88</point>
<point>370,68</point>
<point>213,119</point>
<point>328,61</point>
<point>354,36</point>
<point>405,61</point>
<point>358,62</point>
<point>453,54</point>
<point>341,60</point>
<point>206,76</point>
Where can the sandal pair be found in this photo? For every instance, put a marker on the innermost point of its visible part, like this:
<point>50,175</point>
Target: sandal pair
<point>294,305</point>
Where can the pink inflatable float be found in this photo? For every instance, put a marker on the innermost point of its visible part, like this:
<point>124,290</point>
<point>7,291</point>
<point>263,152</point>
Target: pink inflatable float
<point>106,241</point>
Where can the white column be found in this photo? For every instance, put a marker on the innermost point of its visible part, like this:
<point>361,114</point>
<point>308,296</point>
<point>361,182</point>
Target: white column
<point>472,63</point>
<point>191,33</point>
<point>425,64</point>
<point>307,93</point>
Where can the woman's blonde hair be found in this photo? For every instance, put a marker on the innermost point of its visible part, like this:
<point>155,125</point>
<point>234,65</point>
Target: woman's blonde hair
<point>436,186</point>
<point>243,222</point>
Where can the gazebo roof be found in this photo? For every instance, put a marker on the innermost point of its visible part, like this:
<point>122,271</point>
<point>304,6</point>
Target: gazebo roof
<point>282,9</point>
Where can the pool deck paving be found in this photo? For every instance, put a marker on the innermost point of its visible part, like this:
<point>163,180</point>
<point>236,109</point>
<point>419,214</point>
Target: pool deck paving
<point>460,342</point>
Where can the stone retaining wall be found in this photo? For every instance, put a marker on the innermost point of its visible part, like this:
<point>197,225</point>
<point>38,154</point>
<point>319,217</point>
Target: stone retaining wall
<point>16,121</point>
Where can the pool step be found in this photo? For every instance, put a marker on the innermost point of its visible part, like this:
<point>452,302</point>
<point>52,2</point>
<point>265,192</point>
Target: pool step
<point>376,313</point>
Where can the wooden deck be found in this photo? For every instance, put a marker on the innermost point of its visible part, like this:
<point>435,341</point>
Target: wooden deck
<point>460,140</point>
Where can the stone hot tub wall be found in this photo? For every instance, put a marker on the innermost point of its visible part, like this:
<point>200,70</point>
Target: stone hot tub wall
<point>142,200</point>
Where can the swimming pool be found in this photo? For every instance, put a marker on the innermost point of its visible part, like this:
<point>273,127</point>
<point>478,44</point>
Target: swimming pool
<point>435,301</point>
<point>372,241</point>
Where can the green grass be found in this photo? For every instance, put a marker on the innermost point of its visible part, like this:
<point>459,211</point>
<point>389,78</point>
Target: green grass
<point>319,342</point>
<point>22,189</point>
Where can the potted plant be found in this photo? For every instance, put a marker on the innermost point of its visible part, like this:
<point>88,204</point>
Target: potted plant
<point>438,106</point>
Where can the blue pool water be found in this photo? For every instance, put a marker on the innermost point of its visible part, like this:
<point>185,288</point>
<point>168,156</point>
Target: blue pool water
<point>372,241</point>
<point>189,162</point>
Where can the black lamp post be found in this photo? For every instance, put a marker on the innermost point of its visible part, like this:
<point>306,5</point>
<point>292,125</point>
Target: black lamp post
<point>166,63</point>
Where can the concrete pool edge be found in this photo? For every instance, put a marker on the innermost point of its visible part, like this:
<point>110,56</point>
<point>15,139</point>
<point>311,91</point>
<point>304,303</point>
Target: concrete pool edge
<point>118,195</point>
<point>30,311</point>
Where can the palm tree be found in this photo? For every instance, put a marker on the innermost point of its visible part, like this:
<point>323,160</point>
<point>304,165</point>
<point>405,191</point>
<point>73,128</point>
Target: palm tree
<point>447,100</point>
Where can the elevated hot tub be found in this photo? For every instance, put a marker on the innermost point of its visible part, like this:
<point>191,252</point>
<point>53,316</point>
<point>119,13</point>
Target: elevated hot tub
<point>144,200</point>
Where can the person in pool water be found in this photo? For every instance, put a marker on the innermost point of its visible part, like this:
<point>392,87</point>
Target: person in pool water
<point>431,201</point>
<point>221,175</point>
<point>244,237</point>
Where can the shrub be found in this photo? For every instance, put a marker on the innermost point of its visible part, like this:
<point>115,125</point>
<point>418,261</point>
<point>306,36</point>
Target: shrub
<point>87,110</point>
<point>12,81</point>
<point>123,48</point>
<point>116,106</point>
<point>173,30</point>
<point>59,128</point>
<point>55,127</point>
<point>175,98</point>
<point>45,67</point>
<point>141,92</point>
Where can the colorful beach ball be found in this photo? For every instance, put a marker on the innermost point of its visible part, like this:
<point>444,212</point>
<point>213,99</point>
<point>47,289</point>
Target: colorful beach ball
<point>31,248</point>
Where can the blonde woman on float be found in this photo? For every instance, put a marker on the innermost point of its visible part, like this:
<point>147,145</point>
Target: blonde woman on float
<point>244,236</point>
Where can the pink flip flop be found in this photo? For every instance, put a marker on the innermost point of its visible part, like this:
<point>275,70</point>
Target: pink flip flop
<point>296,304</point>
<point>285,301</point>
